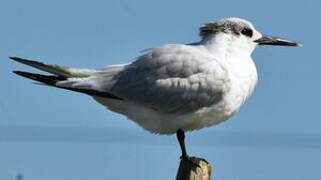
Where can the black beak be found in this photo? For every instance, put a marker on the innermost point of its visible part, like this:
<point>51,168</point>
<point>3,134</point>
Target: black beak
<point>275,41</point>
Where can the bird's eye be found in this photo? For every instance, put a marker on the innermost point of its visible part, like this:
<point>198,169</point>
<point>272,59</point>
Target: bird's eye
<point>247,32</point>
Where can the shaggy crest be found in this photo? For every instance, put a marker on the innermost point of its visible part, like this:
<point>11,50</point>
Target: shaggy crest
<point>227,25</point>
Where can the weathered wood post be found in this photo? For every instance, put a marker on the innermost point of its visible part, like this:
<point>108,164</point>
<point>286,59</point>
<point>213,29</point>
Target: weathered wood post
<point>189,171</point>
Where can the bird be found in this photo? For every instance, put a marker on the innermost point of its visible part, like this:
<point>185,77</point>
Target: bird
<point>173,88</point>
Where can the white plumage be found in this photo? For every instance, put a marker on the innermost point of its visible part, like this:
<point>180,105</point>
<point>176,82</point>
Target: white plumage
<point>175,87</point>
<point>180,87</point>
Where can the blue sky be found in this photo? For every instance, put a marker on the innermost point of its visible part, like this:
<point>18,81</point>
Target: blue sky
<point>47,133</point>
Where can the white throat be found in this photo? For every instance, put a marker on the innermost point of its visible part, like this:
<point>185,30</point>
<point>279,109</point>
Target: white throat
<point>233,51</point>
<point>236,56</point>
<point>227,43</point>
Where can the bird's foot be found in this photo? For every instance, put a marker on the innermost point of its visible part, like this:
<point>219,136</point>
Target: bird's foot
<point>190,160</point>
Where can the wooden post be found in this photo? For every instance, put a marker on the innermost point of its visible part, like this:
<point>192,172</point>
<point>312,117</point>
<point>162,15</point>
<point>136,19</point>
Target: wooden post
<point>199,170</point>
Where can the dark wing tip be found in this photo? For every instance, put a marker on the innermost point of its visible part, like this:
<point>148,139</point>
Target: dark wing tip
<point>52,80</point>
<point>21,60</point>
<point>21,73</point>
<point>47,79</point>
<point>26,74</point>
<point>15,58</point>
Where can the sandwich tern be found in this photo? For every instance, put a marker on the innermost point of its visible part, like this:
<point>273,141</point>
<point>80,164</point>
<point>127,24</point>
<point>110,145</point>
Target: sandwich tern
<point>176,87</point>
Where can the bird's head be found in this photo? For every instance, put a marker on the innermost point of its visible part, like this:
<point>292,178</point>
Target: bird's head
<point>240,34</point>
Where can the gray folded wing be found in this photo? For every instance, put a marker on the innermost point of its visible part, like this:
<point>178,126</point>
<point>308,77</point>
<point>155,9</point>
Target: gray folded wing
<point>171,79</point>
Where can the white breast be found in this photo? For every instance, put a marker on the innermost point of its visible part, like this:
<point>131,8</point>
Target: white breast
<point>243,75</point>
<point>243,78</point>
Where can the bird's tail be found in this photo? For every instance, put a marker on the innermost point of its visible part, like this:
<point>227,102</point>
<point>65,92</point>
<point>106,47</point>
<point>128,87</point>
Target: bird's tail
<point>62,77</point>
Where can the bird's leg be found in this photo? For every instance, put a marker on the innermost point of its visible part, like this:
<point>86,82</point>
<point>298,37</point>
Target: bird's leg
<point>180,134</point>
<point>181,139</point>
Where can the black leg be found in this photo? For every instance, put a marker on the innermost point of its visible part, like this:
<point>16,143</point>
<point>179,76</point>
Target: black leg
<point>181,139</point>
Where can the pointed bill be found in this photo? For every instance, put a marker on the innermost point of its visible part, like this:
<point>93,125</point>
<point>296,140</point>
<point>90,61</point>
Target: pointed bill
<point>276,41</point>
